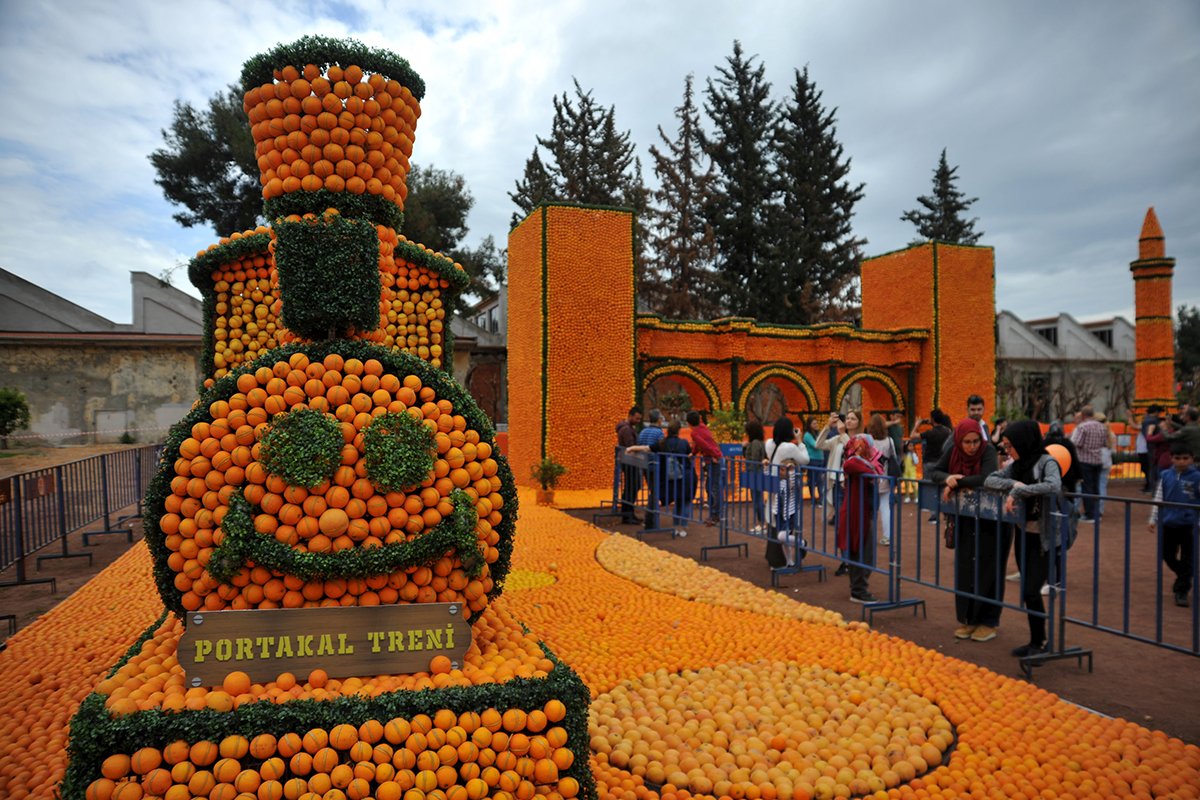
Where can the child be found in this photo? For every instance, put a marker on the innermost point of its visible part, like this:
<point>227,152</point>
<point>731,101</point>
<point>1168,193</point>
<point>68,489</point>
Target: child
<point>1178,485</point>
<point>908,483</point>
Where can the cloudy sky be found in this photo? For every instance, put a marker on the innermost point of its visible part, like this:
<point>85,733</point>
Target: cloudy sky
<point>1067,120</point>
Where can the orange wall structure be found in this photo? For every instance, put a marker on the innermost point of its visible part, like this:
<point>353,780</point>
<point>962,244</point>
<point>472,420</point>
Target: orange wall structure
<point>949,290</point>
<point>579,357</point>
<point>570,339</point>
<point>1154,367</point>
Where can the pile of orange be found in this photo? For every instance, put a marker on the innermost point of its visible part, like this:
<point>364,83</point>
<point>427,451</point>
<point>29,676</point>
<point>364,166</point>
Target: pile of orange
<point>1014,740</point>
<point>733,728</point>
<point>447,756</point>
<point>246,323</point>
<point>629,643</point>
<point>338,130</point>
<point>48,668</point>
<point>223,455</point>
<point>153,679</point>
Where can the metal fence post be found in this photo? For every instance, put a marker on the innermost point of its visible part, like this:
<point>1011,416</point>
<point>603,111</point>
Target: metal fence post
<point>61,512</point>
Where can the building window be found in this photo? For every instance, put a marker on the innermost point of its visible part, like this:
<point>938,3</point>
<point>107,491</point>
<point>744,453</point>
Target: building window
<point>1104,335</point>
<point>1049,334</point>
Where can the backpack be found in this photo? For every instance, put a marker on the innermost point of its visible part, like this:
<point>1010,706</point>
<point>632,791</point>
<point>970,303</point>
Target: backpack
<point>674,468</point>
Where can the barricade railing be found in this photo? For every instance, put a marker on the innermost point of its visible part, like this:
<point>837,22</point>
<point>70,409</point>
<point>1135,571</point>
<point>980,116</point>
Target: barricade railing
<point>44,506</point>
<point>754,500</point>
<point>664,492</point>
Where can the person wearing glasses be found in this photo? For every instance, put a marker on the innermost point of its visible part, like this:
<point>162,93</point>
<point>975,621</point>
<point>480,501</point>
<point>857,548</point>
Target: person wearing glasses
<point>1033,480</point>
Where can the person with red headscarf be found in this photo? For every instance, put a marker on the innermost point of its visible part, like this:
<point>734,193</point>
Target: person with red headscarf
<point>862,468</point>
<point>981,551</point>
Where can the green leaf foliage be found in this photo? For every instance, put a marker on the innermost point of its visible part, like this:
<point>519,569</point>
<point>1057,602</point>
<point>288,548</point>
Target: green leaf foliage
<point>303,447</point>
<point>14,412</point>
<point>243,545</point>
<point>396,363</point>
<point>373,207</point>
<point>324,51</point>
<point>208,165</point>
<point>399,451</point>
<point>328,276</point>
<point>95,735</point>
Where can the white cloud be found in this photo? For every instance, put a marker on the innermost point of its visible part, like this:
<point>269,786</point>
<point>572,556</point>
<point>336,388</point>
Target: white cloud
<point>1066,120</point>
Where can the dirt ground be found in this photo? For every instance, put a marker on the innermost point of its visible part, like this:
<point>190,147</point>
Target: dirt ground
<point>1140,682</point>
<point>19,459</point>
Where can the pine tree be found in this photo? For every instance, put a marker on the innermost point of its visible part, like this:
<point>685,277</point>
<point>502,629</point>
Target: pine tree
<point>589,161</point>
<point>680,279</point>
<point>817,255</point>
<point>942,218</point>
<point>743,119</point>
<point>535,187</point>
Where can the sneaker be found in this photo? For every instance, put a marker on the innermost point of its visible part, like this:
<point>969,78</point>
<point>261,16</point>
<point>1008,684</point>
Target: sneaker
<point>964,631</point>
<point>681,533</point>
<point>1181,599</point>
<point>1045,588</point>
<point>864,598</point>
<point>1013,576</point>
<point>983,633</point>
<point>1028,650</point>
<point>841,570</point>
<point>1086,520</point>
<point>885,542</point>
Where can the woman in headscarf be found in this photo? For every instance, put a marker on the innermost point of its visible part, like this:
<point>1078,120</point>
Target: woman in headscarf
<point>1033,480</point>
<point>860,464</point>
<point>979,554</point>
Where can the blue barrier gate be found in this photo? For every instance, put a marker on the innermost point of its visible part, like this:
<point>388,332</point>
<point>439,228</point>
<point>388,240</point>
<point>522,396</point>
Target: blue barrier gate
<point>43,506</point>
<point>914,555</point>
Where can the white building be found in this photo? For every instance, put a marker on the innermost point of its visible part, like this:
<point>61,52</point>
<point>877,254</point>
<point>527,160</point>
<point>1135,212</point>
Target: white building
<point>1047,368</point>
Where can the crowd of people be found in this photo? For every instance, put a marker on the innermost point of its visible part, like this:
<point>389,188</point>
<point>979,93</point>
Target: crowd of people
<point>1048,480</point>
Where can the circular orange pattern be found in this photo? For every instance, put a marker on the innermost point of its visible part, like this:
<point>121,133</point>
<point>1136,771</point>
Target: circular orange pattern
<point>734,728</point>
<point>345,511</point>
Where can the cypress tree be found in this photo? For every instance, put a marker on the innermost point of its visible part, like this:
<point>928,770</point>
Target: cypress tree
<point>940,217</point>
<point>817,254</point>
<point>680,277</point>
<point>743,120</point>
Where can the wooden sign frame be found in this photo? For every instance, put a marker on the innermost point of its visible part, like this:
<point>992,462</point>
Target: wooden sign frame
<point>344,641</point>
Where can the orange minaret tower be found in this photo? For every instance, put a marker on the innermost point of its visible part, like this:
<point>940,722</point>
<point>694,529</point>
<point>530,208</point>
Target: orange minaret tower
<point>1154,369</point>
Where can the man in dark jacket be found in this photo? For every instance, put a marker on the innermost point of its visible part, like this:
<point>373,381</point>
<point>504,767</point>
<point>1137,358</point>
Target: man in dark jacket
<point>631,477</point>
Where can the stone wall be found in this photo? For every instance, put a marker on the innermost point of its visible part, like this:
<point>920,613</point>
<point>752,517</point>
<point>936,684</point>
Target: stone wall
<point>94,389</point>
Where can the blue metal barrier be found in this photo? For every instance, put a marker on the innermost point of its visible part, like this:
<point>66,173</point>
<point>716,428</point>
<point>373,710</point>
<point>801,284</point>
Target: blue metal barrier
<point>916,552</point>
<point>44,506</point>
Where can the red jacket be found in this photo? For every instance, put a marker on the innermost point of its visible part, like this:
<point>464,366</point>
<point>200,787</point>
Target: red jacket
<point>858,504</point>
<point>705,444</point>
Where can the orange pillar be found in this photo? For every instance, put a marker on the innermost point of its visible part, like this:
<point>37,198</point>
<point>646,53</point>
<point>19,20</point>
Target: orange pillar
<point>949,290</point>
<point>1154,369</point>
<point>570,340</point>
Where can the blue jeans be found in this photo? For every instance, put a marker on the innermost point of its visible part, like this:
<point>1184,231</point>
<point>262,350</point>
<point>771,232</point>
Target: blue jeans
<point>712,485</point>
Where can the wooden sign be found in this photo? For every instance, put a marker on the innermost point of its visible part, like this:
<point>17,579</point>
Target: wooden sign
<point>344,641</point>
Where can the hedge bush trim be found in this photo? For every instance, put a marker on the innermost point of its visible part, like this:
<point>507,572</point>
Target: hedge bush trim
<point>243,545</point>
<point>325,50</point>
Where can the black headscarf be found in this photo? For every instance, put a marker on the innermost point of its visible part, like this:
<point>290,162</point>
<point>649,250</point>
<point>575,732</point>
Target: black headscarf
<point>1026,438</point>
